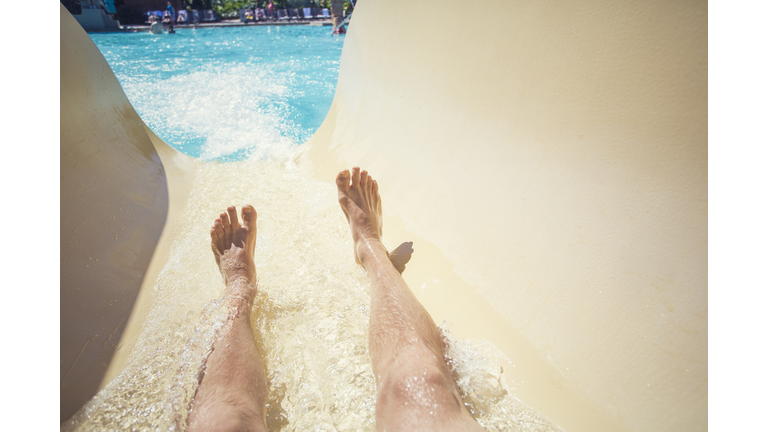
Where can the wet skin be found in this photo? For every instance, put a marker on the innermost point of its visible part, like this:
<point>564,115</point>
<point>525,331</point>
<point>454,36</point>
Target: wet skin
<point>416,388</point>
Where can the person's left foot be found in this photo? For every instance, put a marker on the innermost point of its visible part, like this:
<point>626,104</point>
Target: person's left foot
<point>233,246</point>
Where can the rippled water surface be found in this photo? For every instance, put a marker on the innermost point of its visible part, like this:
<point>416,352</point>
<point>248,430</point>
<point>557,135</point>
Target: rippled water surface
<point>228,92</point>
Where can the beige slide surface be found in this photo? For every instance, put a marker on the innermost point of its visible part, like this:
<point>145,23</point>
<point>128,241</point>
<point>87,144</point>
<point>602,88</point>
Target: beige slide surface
<point>548,160</point>
<point>119,185</point>
<point>556,154</point>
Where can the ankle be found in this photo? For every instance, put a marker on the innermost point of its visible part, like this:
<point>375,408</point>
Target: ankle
<point>370,251</point>
<point>238,269</point>
<point>241,293</point>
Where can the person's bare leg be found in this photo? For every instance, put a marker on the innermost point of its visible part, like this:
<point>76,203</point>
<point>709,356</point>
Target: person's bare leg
<point>233,389</point>
<point>416,389</point>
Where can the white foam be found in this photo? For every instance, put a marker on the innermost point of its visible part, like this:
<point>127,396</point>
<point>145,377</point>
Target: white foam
<point>233,109</point>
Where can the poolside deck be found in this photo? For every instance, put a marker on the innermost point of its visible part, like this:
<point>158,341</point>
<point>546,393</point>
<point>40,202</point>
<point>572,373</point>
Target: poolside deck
<point>233,23</point>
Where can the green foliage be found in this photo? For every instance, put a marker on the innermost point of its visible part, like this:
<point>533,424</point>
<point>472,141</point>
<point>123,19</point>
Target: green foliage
<point>229,9</point>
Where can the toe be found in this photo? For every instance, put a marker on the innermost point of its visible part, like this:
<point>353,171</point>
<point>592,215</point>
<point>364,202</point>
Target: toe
<point>368,192</point>
<point>214,239</point>
<point>219,228</point>
<point>249,214</point>
<point>355,177</point>
<point>249,218</point>
<point>249,227</point>
<point>232,210</point>
<point>363,180</point>
<point>342,181</point>
<point>376,197</point>
<point>224,221</point>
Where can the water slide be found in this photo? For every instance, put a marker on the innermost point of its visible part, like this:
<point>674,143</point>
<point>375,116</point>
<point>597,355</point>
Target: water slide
<point>549,162</point>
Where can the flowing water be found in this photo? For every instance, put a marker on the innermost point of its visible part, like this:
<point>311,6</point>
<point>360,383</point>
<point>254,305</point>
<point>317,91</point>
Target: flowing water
<point>228,93</point>
<point>310,318</point>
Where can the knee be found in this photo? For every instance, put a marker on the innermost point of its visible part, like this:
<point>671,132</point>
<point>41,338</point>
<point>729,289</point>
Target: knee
<point>225,418</point>
<point>418,387</point>
<point>233,423</point>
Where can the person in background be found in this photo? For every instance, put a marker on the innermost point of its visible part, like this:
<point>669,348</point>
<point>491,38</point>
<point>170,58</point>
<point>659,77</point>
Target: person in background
<point>172,13</point>
<point>168,22</point>
<point>271,10</point>
<point>155,27</point>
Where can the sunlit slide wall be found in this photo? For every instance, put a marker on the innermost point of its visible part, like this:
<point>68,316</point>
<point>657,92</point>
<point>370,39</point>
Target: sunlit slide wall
<point>556,154</point>
<point>549,161</point>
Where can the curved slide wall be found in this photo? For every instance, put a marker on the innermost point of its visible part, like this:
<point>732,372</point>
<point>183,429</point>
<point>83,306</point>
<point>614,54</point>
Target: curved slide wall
<point>556,154</point>
<point>549,162</point>
<point>119,185</point>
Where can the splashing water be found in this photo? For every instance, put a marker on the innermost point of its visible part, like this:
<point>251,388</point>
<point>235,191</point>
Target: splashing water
<point>228,93</point>
<point>310,317</point>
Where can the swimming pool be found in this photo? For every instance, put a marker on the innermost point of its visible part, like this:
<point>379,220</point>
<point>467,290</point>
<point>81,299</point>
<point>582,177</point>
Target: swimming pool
<point>228,93</point>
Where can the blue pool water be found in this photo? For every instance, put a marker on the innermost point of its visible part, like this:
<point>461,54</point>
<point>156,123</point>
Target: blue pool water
<point>228,93</point>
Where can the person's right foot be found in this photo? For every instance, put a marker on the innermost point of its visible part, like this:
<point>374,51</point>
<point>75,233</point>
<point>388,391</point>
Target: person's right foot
<point>361,204</point>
